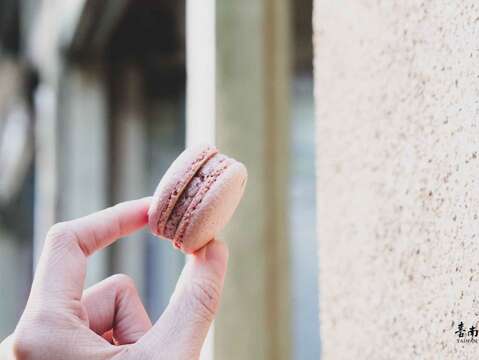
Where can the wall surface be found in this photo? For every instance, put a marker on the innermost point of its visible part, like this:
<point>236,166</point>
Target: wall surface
<point>397,93</point>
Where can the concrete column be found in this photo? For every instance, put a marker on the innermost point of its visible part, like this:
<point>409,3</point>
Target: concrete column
<point>252,113</point>
<point>46,169</point>
<point>398,135</point>
<point>129,168</point>
<point>83,152</point>
<point>201,71</point>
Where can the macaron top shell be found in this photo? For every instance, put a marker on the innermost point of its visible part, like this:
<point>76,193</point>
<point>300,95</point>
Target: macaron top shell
<point>196,197</point>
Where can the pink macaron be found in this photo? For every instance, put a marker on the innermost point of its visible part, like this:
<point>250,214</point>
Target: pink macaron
<point>196,197</point>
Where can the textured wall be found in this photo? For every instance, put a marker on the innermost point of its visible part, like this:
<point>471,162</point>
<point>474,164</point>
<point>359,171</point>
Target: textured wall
<point>397,90</point>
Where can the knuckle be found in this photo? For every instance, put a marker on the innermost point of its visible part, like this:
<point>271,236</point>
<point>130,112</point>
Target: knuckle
<point>59,235</point>
<point>124,282</point>
<point>205,298</point>
<point>58,229</point>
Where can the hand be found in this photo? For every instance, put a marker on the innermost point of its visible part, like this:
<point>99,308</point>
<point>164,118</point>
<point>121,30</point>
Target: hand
<point>62,321</point>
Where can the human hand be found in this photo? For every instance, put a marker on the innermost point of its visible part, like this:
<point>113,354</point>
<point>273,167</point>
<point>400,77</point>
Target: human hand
<point>108,321</point>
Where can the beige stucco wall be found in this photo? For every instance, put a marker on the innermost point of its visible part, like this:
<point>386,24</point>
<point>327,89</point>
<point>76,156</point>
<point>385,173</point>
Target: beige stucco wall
<point>397,89</point>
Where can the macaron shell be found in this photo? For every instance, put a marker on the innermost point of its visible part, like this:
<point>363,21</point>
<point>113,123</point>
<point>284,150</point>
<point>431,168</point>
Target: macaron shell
<point>173,183</point>
<point>215,209</point>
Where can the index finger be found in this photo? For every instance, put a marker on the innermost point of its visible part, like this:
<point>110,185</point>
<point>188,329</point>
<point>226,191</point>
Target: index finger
<point>62,266</point>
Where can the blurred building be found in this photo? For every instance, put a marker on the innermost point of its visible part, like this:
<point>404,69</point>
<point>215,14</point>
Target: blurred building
<point>93,113</point>
<point>94,106</point>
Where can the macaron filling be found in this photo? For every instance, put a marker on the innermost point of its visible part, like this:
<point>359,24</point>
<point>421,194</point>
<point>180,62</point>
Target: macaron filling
<point>193,194</point>
<point>174,196</point>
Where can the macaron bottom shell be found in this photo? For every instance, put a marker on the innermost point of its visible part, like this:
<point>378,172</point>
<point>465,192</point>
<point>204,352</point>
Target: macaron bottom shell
<point>213,211</point>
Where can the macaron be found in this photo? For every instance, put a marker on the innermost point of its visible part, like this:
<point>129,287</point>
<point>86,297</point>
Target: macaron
<point>196,197</point>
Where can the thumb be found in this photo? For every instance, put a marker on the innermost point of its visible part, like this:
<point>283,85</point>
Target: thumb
<point>182,329</point>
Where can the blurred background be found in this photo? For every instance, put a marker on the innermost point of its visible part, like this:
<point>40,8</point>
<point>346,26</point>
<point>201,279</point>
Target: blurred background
<point>98,97</point>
